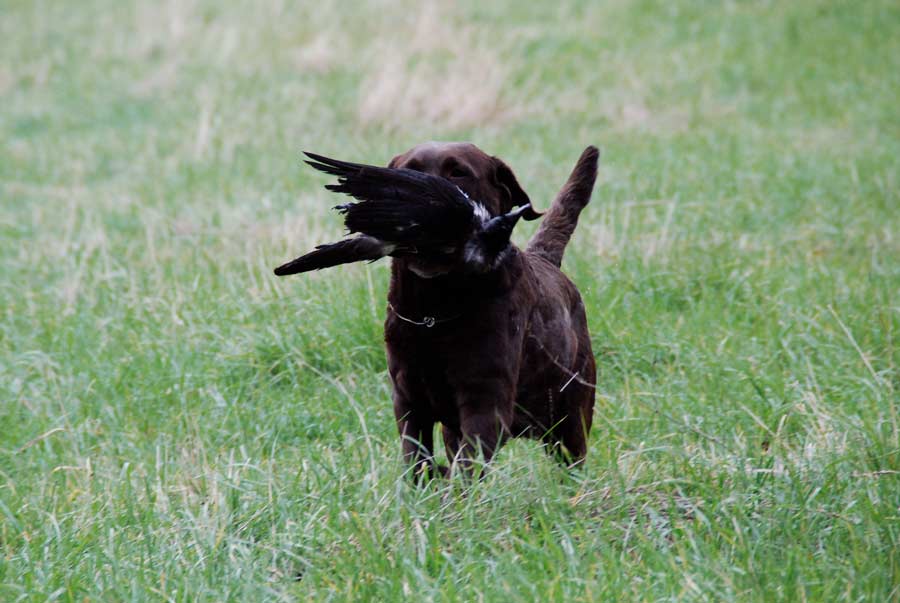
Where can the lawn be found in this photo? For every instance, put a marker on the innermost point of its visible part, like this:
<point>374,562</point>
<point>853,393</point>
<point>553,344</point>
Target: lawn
<point>178,424</point>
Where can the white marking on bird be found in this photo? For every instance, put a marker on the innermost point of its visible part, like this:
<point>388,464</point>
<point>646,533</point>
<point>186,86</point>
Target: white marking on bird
<point>473,254</point>
<point>480,211</point>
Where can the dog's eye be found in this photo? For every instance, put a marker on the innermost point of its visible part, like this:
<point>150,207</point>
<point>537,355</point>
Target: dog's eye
<point>460,172</point>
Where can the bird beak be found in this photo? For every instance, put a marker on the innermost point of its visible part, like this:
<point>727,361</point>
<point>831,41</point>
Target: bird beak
<point>499,229</point>
<point>527,212</point>
<point>509,219</point>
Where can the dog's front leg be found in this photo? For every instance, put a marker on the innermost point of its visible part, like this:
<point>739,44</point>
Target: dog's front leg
<point>452,442</point>
<point>416,426</point>
<point>484,424</point>
<point>417,435</point>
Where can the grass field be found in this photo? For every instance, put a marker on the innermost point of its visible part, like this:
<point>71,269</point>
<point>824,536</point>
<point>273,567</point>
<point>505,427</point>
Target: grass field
<point>178,424</point>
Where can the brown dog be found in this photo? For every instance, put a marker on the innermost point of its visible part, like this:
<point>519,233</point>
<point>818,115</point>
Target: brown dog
<point>494,355</point>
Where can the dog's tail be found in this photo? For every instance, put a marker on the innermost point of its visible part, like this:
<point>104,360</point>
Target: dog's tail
<point>559,223</point>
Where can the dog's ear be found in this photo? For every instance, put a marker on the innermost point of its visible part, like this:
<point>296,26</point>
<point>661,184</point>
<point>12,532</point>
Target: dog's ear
<point>397,160</point>
<point>506,182</point>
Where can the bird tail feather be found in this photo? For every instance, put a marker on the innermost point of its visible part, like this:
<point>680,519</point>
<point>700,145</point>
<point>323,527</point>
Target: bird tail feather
<point>334,254</point>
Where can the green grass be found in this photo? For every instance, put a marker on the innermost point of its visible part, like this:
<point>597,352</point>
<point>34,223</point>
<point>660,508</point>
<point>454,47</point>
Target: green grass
<point>178,424</point>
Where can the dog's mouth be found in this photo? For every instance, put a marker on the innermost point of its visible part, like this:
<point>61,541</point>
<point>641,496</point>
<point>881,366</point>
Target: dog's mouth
<point>431,267</point>
<point>425,270</point>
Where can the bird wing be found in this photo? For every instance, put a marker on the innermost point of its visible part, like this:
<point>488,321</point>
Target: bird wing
<point>401,212</point>
<point>400,205</point>
<point>333,254</point>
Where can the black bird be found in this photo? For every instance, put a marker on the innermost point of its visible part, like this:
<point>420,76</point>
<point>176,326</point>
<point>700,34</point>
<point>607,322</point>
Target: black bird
<point>405,213</point>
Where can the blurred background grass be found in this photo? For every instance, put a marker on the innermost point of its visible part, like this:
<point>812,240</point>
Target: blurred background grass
<point>180,425</point>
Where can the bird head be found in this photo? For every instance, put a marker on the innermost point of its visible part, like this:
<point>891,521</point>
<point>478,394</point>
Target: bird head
<point>488,245</point>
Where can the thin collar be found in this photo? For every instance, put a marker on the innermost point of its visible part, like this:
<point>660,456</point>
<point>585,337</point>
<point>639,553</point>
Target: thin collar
<point>427,321</point>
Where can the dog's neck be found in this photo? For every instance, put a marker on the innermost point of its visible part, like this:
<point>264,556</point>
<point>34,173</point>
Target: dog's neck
<point>453,292</point>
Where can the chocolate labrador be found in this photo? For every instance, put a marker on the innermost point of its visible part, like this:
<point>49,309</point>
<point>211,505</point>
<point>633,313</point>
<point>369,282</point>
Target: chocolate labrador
<point>488,340</point>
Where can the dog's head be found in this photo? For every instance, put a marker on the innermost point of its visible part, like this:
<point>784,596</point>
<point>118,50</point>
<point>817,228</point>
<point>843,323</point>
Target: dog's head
<point>484,178</point>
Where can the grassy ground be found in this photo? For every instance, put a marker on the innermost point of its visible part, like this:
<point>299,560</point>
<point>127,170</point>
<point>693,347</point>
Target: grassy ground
<point>179,425</point>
